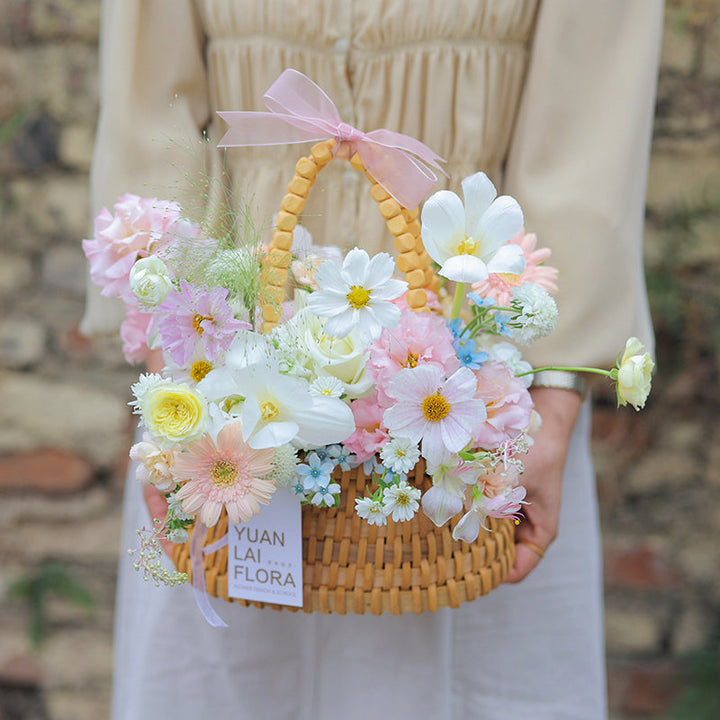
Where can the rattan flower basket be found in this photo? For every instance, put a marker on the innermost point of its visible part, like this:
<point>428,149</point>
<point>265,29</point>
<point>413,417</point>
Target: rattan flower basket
<point>350,566</point>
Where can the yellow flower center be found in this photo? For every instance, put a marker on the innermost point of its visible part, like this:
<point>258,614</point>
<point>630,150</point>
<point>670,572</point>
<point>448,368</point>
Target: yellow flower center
<point>199,369</point>
<point>358,296</point>
<point>326,391</point>
<point>468,246</point>
<point>412,360</point>
<point>224,473</point>
<point>197,319</point>
<point>269,410</point>
<point>402,499</point>
<point>435,407</point>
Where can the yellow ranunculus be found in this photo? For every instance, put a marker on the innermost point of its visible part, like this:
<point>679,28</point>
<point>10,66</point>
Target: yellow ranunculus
<point>634,375</point>
<point>174,413</point>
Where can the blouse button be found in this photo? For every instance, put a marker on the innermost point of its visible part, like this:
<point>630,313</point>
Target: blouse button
<point>342,45</point>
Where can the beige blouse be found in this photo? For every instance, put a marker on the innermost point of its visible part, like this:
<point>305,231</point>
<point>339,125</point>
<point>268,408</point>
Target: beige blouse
<point>552,99</point>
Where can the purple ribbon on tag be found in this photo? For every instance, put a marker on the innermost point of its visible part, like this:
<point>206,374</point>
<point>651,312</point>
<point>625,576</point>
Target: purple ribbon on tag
<point>198,572</point>
<point>300,111</point>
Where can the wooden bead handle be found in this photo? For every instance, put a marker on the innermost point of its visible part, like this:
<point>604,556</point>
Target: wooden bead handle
<point>404,225</point>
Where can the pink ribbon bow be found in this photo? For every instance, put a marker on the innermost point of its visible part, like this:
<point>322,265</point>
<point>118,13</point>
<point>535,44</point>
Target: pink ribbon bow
<point>300,111</point>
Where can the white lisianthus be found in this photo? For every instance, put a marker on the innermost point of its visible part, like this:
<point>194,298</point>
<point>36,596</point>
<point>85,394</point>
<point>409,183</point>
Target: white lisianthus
<point>312,353</point>
<point>371,510</point>
<point>358,295</point>
<point>400,454</point>
<point>150,281</point>
<point>401,501</point>
<point>633,374</point>
<point>535,313</point>
<point>471,241</point>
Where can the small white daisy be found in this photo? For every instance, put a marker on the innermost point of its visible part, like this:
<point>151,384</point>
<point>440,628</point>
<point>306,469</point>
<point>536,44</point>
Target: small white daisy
<point>371,510</point>
<point>400,455</point>
<point>401,501</point>
<point>328,386</point>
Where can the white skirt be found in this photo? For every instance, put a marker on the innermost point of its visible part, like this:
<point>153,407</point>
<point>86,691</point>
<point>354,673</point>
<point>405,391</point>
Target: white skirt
<point>532,651</point>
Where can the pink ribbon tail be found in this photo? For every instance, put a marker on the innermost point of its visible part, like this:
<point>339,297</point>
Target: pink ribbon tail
<point>198,572</point>
<point>300,111</point>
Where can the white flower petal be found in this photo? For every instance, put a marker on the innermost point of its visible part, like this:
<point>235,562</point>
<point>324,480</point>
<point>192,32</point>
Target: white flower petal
<point>500,223</point>
<point>509,258</point>
<point>464,268</point>
<point>443,225</point>
<point>323,421</point>
<point>355,269</point>
<point>479,193</point>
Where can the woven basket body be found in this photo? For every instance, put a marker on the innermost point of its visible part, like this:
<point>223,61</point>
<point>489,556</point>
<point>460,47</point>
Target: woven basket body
<point>352,567</point>
<point>348,565</point>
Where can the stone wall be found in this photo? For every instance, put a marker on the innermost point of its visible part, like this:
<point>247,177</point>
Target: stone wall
<point>61,469</point>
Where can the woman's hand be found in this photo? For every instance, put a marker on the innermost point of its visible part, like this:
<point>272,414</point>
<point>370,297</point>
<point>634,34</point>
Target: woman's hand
<point>544,466</point>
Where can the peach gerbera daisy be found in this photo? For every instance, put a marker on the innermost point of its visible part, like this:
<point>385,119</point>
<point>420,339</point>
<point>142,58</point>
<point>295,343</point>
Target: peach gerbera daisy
<point>225,472</point>
<point>499,285</point>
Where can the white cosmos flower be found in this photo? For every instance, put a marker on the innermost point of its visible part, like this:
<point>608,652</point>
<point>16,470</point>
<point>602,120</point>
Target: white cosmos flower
<point>358,295</point>
<point>470,241</point>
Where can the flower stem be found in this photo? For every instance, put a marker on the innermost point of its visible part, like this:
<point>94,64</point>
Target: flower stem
<point>457,301</point>
<point>597,371</point>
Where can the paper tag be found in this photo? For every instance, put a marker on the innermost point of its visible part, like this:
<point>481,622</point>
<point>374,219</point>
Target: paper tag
<point>265,553</point>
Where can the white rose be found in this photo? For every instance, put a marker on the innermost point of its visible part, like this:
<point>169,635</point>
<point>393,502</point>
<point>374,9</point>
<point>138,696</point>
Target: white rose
<point>150,281</point>
<point>634,375</point>
<point>343,358</point>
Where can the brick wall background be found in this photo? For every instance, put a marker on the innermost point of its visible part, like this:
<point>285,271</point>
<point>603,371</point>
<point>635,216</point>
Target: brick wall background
<point>61,470</point>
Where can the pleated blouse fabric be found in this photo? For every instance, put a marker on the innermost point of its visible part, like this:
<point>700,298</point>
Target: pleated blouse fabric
<point>553,100</point>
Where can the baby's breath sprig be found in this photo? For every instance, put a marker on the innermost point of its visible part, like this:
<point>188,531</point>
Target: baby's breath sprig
<point>148,557</point>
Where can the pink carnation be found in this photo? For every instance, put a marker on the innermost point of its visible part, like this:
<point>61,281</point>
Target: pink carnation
<point>370,434</point>
<point>499,286</point>
<point>508,404</point>
<point>418,339</point>
<point>136,226</point>
<point>134,333</point>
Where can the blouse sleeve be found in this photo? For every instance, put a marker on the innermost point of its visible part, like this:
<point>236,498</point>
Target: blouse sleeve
<point>153,107</point>
<point>578,166</point>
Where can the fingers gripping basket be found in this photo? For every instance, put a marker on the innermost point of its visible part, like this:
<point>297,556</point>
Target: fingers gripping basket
<point>350,566</point>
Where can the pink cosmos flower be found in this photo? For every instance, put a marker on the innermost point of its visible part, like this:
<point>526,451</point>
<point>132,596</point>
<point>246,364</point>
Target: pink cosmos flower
<point>505,505</point>
<point>418,339</point>
<point>225,472</point>
<point>197,316</point>
<point>499,285</point>
<point>508,403</point>
<point>136,226</point>
<point>443,413</point>
<point>134,334</point>
<point>370,434</point>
